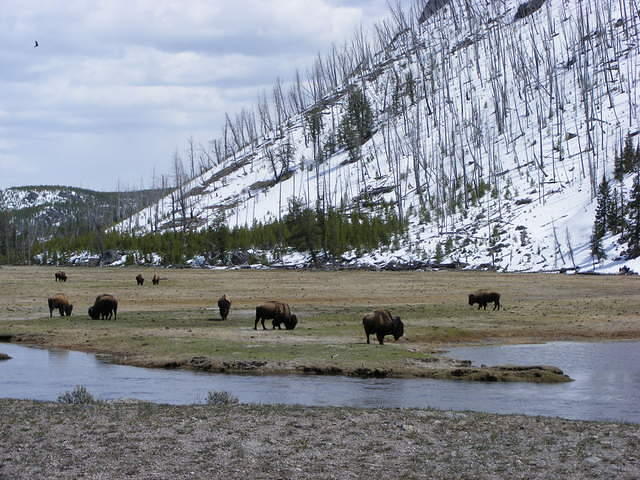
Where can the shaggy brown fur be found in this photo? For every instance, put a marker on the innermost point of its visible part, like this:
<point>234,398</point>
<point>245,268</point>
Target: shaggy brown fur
<point>140,279</point>
<point>382,323</point>
<point>61,276</point>
<point>482,297</point>
<point>224,305</point>
<point>155,280</point>
<point>279,312</point>
<point>104,306</point>
<point>61,302</point>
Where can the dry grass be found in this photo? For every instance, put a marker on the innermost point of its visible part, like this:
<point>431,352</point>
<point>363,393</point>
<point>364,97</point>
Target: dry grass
<point>176,321</point>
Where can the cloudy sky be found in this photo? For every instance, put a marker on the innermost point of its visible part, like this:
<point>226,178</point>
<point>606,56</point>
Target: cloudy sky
<point>115,87</point>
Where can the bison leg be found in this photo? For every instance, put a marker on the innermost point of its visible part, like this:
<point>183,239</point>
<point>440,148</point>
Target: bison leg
<point>496,305</point>
<point>380,338</point>
<point>255,326</point>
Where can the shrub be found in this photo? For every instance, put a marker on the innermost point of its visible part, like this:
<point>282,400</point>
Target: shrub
<point>221,398</point>
<point>78,396</point>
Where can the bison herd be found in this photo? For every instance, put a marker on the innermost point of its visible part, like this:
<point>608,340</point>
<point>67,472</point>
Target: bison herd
<point>379,322</point>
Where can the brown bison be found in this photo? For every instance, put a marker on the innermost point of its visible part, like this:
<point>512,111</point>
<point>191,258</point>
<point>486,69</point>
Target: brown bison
<point>60,276</point>
<point>104,306</point>
<point>61,302</point>
<point>155,280</point>
<point>482,297</point>
<point>277,311</point>
<point>140,279</point>
<point>382,323</point>
<point>224,304</point>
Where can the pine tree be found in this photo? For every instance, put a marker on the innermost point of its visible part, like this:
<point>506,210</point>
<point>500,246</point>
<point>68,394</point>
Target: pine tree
<point>618,168</point>
<point>614,217</point>
<point>633,220</point>
<point>629,160</point>
<point>597,251</point>
<point>357,124</point>
<point>601,223</point>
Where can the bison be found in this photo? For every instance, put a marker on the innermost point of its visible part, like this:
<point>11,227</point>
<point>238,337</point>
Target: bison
<point>277,311</point>
<point>482,297</point>
<point>60,276</point>
<point>61,302</point>
<point>104,306</point>
<point>155,280</point>
<point>382,323</point>
<point>224,304</point>
<point>140,279</point>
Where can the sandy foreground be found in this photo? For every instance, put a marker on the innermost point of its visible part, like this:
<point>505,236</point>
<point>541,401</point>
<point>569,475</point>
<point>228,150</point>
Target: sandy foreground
<point>149,441</point>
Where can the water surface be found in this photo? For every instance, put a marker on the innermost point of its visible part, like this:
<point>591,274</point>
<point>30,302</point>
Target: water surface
<point>606,386</point>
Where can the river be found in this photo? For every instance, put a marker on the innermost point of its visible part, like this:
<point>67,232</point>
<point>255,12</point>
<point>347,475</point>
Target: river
<point>606,386</point>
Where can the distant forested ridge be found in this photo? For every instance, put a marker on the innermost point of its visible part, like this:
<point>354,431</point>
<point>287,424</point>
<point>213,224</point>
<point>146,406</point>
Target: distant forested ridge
<point>32,215</point>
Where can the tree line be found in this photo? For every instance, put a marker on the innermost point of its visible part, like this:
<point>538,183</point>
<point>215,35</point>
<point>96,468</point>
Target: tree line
<point>618,208</point>
<point>324,234</point>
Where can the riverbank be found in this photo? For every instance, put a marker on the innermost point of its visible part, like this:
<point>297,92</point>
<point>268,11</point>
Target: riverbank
<point>149,441</point>
<point>176,324</point>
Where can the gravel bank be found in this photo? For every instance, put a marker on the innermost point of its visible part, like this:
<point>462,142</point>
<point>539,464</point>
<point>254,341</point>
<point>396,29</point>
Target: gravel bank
<point>149,441</point>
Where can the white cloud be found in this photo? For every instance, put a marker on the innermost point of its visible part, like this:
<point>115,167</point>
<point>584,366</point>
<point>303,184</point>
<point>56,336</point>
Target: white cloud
<point>109,75</point>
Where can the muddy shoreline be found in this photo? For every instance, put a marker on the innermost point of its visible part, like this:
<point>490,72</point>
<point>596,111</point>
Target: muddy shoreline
<point>437,367</point>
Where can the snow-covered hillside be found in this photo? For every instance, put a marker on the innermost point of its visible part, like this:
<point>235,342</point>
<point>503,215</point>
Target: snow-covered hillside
<point>491,134</point>
<point>31,197</point>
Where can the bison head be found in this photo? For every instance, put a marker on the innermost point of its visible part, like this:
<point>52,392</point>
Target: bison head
<point>472,299</point>
<point>93,313</point>
<point>68,309</point>
<point>291,324</point>
<point>397,328</point>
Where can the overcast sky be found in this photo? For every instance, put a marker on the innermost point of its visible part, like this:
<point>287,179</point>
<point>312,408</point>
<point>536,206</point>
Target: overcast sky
<point>115,87</point>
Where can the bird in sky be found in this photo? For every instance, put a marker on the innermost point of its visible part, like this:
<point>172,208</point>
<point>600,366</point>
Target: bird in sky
<point>36,44</point>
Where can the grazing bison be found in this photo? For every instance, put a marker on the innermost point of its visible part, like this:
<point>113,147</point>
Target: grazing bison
<point>224,304</point>
<point>104,306</point>
<point>155,280</point>
<point>482,297</point>
<point>382,323</point>
<point>140,279</point>
<point>61,302</point>
<point>61,276</point>
<point>279,312</point>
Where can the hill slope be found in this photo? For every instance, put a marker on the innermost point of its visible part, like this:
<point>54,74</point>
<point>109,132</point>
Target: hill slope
<point>491,126</point>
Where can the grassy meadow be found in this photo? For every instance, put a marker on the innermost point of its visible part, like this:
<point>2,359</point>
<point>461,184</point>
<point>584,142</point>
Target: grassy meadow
<point>177,323</point>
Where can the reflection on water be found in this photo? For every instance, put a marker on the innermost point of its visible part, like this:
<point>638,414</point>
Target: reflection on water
<point>606,386</point>
<point>607,375</point>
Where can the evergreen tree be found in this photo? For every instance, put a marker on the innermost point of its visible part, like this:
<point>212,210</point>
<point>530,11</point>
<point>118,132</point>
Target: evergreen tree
<point>633,219</point>
<point>357,124</point>
<point>597,251</point>
<point>629,158</point>
<point>614,217</point>
<point>618,168</point>
<point>601,223</point>
<point>305,232</point>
